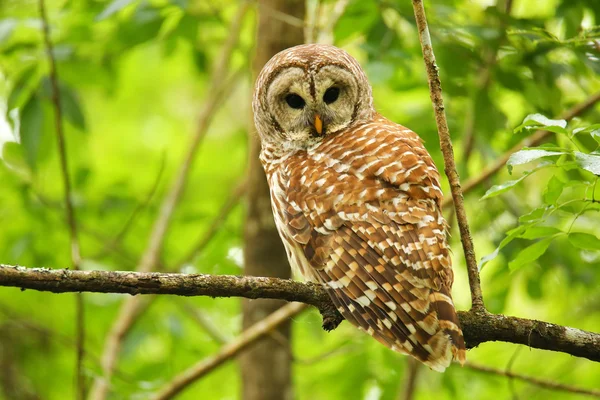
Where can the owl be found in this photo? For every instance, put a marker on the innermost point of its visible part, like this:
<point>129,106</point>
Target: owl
<point>357,202</point>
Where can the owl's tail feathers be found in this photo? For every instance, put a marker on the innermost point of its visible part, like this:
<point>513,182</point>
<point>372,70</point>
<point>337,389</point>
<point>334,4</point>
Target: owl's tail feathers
<point>448,342</point>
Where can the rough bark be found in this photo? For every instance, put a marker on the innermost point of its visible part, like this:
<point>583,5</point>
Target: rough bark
<point>478,327</point>
<point>266,367</point>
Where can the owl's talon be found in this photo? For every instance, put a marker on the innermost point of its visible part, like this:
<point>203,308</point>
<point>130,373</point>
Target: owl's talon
<point>331,319</point>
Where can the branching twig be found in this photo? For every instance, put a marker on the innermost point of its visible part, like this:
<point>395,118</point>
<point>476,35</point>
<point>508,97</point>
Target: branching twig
<point>410,380</point>
<point>435,90</point>
<point>228,351</point>
<point>62,153</point>
<point>206,325</point>
<point>477,327</point>
<point>118,238</point>
<point>228,206</point>
<point>534,381</point>
<point>150,258</point>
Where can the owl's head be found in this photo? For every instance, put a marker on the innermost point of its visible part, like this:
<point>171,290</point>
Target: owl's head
<point>308,92</point>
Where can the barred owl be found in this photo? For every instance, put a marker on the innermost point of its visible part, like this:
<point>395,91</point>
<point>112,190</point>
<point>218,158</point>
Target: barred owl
<point>357,202</point>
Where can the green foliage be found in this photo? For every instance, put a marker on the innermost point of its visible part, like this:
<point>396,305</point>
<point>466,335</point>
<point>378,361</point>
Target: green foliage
<point>538,225</point>
<point>133,75</point>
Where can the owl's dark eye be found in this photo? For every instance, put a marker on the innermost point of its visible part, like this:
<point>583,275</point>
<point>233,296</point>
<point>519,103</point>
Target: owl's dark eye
<point>295,101</point>
<point>331,95</point>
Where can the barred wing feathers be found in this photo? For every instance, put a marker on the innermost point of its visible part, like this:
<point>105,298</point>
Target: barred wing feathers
<point>361,213</point>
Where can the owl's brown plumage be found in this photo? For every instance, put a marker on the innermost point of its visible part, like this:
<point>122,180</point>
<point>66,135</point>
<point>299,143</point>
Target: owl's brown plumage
<point>357,202</point>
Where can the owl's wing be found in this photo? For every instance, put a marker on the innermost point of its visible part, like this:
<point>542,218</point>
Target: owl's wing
<point>369,226</point>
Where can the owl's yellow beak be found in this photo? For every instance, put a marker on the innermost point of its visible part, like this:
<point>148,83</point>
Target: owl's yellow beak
<point>318,124</point>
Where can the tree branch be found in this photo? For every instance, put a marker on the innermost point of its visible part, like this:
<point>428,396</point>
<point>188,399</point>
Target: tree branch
<point>229,350</point>
<point>218,87</point>
<point>68,201</point>
<point>533,380</point>
<point>477,327</point>
<point>435,91</point>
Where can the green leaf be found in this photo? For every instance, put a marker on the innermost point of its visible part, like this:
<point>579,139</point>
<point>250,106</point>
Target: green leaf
<point>584,241</point>
<point>32,122</point>
<point>23,88</point>
<point>534,215</point>
<point>589,162</point>
<point>539,121</point>
<point>511,235</point>
<point>553,190</point>
<point>503,187</point>
<point>593,130</point>
<point>530,253</point>
<point>542,120</point>
<point>12,154</point>
<point>114,7</point>
<point>173,16</point>
<point>526,156</point>
<point>537,232</point>
<point>71,107</point>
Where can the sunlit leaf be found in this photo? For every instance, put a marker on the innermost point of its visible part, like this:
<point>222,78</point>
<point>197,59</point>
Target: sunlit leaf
<point>544,121</point>
<point>589,162</point>
<point>526,156</point>
<point>593,130</point>
<point>540,121</point>
<point>584,241</point>
<point>530,253</point>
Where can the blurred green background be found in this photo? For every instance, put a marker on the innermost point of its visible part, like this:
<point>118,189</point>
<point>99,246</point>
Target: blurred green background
<point>134,75</point>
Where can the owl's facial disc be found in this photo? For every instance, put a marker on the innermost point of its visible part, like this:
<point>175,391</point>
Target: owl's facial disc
<point>309,105</point>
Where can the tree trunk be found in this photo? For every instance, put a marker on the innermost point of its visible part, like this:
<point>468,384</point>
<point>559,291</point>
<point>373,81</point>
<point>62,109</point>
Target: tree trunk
<point>266,368</point>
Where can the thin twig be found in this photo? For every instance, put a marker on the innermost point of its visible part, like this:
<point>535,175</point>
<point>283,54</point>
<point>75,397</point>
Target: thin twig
<point>150,258</point>
<point>75,250</point>
<point>533,140</point>
<point>435,90</point>
<point>18,322</point>
<point>410,381</point>
<point>508,369</point>
<point>233,200</point>
<point>289,19</point>
<point>477,327</point>
<point>202,320</point>
<point>345,347</point>
<point>118,238</point>
<point>228,351</point>
<point>94,233</point>
<point>534,381</point>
